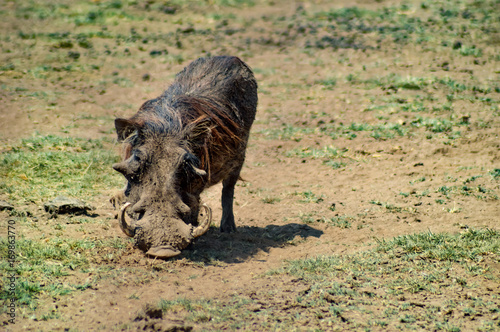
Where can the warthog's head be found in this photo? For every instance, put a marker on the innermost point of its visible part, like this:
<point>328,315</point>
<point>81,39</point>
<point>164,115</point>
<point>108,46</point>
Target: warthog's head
<point>162,210</point>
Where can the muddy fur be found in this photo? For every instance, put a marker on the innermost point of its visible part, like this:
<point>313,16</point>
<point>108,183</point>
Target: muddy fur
<point>191,137</point>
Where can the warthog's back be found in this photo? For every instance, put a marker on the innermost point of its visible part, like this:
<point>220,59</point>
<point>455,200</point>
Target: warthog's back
<point>224,80</point>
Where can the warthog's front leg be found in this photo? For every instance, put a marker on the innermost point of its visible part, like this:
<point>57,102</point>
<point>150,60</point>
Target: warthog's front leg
<point>227,224</point>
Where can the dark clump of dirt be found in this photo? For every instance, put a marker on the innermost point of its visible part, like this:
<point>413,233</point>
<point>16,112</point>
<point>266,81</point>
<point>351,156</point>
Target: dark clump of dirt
<point>150,318</point>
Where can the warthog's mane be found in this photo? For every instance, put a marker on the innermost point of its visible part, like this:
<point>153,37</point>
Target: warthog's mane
<point>200,124</point>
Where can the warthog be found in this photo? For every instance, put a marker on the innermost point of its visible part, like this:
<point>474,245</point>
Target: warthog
<point>191,137</point>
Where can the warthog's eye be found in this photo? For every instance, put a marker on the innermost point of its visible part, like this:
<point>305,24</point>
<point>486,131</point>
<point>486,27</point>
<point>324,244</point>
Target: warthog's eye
<point>138,155</point>
<point>136,161</point>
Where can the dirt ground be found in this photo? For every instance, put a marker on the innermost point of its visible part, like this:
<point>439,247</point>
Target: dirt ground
<point>383,186</point>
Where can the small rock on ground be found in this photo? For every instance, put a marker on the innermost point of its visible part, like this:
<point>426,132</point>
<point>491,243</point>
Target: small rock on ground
<point>5,206</point>
<point>65,205</point>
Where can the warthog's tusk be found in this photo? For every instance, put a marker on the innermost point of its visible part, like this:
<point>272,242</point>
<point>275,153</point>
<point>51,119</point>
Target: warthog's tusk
<point>199,171</point>
<point>126,228</point>
<point>206,219</point>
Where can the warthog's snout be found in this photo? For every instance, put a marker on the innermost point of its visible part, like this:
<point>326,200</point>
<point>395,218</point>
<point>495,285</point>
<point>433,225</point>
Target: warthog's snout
<point>159,246</point>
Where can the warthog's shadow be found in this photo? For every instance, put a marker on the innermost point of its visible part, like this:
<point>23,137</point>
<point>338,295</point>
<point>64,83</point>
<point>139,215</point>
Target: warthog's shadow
<point>246,242</point>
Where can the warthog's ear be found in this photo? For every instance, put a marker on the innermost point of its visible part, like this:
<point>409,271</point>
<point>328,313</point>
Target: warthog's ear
<point>125,128</point>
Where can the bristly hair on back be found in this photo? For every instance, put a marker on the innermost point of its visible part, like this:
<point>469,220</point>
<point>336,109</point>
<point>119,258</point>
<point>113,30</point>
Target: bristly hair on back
<point>211,112</point>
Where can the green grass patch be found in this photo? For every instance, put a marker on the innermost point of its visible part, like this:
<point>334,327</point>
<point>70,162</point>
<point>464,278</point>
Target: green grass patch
<point>287,132</point>
<point>418,263</point>
<point>271,200</point>
<point>309,197</point>
<point>43,167</point>
<point>477,186</point>
<point>434,125</point>
<point>213,311</point>
<point>341,221</point>
<point>368,290</point>
<point>495,174</point>
<point>329,152</point>
<point>377,131</point>
<point>468,247</point>
<point>327,83</point>
<point>42,266</point>
<point>393,208</point>
<point>102,12</point>
<point>79,13</point>
<point>330,155</point>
